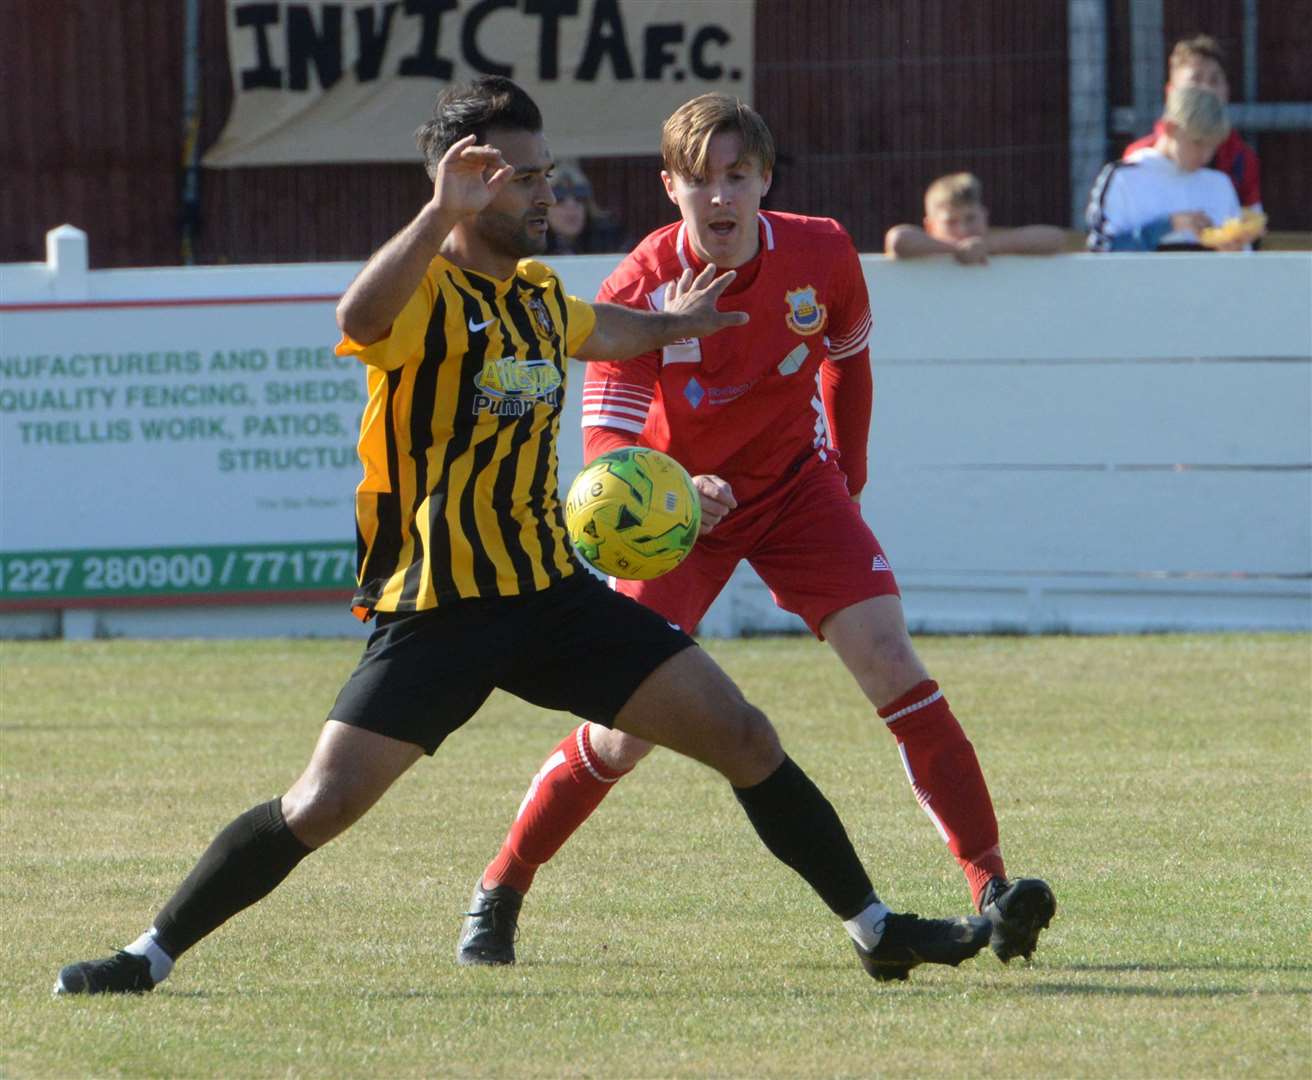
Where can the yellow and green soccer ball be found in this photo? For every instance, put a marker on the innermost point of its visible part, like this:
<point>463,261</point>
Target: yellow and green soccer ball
<point>633,513</point>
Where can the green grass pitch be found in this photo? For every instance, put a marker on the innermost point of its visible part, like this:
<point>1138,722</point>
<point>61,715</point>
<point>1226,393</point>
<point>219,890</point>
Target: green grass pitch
<point>1160,783</point>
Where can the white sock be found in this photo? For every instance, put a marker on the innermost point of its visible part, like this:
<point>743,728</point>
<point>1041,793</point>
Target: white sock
<point>161,963</point>
<point>868,928</point>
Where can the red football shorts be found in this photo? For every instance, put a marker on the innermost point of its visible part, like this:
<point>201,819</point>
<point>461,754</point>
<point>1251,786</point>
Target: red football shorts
<point>806,539</point>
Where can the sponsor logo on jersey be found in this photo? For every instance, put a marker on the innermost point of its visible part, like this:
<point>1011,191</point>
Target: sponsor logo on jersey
<point>694,392</point>
<point>806,315</point>
<point>722,395</point>
<point>513,387</point>
<point>881,563</point>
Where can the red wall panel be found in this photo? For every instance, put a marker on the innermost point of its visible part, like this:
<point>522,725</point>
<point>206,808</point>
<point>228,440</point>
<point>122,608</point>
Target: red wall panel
<point>869,101</point>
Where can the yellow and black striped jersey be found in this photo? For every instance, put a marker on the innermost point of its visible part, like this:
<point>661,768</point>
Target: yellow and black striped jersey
<point>458,441</point>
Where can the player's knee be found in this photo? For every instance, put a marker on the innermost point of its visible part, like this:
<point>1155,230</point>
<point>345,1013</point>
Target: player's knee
<point>755,747</point>
<point>617,750</point>
<point>889,668</point>
<point>317,812</point>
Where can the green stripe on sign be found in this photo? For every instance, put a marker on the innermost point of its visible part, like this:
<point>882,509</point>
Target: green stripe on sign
<point>173,571</point>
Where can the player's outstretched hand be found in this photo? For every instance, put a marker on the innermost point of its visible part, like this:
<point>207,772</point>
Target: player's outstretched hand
<point>695,298</point>
<point>469,177</point>
<point>716,498</point>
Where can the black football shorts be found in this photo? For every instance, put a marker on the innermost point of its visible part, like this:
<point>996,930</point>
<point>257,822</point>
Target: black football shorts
<point>576,646</point>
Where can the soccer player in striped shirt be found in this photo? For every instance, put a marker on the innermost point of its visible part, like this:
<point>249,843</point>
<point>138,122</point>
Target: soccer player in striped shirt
<point>771,417</point>
<point>464,562</point>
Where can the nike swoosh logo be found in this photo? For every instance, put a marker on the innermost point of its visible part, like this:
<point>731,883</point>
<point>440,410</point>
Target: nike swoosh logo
<point>474,327</point>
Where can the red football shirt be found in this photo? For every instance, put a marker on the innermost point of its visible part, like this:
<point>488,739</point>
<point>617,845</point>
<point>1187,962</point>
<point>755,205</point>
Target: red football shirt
<point>745,403</point>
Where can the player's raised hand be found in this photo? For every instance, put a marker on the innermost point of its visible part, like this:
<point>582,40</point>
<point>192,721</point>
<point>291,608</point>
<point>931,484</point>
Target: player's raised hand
<point>469,177</point>
<point>716,499</point>
<point>695,298</point>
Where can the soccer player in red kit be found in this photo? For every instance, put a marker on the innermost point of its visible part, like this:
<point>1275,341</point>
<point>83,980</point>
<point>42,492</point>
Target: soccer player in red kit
<point>771,418</point>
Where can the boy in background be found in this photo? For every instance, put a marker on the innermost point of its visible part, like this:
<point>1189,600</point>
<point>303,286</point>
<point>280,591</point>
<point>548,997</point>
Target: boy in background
<point>1164,196</point>
<point>957,224</point>
<point>1199,62</point>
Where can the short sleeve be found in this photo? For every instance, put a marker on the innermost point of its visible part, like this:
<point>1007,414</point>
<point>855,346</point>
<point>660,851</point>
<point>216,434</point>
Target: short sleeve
<point>405,339</point>
<point>849,328</point>
<point>580,320</point>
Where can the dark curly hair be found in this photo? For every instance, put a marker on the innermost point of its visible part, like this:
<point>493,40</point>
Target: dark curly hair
<point>474,108</point>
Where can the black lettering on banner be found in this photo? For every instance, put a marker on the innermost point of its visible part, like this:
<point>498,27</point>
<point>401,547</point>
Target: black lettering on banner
<point>261,17</point>
<point>473,55</point>
<point>314,38</point>
<point>655,56</point>
<point>425,63</point>
<point>606,38</point>
<point>696,57</point>
<point>372,44</point>
<point>550,12</point>
<point>306,44</point>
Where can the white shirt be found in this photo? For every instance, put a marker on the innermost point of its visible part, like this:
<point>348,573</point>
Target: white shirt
<point>1148,187</point>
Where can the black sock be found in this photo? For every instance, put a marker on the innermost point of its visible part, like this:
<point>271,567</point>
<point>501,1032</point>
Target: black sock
<point>244,864</point>
<point>801,829</point>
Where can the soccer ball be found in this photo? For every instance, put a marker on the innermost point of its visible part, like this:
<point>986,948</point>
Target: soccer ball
<point>633,513</point>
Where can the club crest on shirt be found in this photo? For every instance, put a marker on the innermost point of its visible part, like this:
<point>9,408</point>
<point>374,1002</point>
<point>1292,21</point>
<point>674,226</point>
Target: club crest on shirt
<point>541,316</point>
<point>806,315</point>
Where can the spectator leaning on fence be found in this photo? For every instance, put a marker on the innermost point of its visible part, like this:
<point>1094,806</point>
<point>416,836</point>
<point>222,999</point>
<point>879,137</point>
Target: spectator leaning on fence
<point>957,224</point>
<point>1164,196</point>
<point>1199,61</point>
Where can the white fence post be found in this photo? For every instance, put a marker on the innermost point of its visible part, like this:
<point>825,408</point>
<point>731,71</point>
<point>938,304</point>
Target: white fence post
<point>68,262</point>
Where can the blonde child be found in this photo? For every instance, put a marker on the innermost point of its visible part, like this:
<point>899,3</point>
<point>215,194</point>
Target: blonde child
<point>957,224</point>
<point>1164,196</point>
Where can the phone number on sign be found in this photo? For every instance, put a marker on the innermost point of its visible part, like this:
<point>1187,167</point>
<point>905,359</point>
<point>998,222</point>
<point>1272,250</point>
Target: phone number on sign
<point>179,571</point>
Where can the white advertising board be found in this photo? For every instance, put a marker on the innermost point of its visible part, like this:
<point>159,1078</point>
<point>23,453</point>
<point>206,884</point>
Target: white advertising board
<point>1082,443</point>
<point>169,447</point>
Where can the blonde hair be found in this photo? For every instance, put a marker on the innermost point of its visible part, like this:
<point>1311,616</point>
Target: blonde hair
<point>686,136</point>
<point>959,190</point>
<point>1198,47</point>
<point>1199,112</point>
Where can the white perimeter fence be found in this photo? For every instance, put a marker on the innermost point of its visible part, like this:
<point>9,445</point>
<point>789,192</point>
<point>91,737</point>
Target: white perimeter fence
<point>1074,444</point>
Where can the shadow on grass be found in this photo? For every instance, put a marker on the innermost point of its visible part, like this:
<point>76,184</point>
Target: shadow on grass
<point>1038,982</point>
<point>771,994</point>
<point>1215,965</point>
<point>1087,989</point>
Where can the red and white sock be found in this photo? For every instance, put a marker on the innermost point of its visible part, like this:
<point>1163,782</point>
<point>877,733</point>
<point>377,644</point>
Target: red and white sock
<point>569,786</point>
<point>946,778</point>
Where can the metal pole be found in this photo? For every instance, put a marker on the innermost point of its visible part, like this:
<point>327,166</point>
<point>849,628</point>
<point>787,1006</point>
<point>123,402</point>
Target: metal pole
<point>1250,51</point>
<point>1147,54</point>
<point>189,210</point>
<point>1086,36</point>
